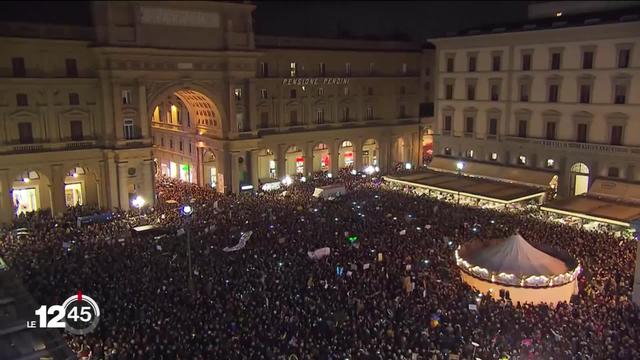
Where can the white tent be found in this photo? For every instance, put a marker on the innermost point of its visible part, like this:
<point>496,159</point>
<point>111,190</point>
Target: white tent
<point>516,256</point>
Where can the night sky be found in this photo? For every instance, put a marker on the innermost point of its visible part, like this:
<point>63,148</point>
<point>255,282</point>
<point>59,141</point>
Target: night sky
<point>419,20</point>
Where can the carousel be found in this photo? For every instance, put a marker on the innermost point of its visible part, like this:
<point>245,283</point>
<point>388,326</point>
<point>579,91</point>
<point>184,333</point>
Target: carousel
<point>514,269</point>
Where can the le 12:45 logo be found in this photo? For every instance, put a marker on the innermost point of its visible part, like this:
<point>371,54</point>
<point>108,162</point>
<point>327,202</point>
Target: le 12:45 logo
<point>78,315</point>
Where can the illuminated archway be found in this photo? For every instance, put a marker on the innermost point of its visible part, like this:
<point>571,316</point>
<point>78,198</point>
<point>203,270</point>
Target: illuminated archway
<point>80,187</point>
<point>346,151</point>
<point>209,168</point>
<point>321,157</point>
<point>370,150</point>
<point>30,192</point>
<point>267,164</point>
<point>579,178</point>
<point>294,161</point>
<point>427,146</point>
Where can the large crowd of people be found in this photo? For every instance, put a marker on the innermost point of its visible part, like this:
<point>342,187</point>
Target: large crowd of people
<point>270,300</point>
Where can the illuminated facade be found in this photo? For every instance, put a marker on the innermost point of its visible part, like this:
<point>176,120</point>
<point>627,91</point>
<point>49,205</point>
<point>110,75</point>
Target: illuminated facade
<point>91,115</point>
<point>554,95</point>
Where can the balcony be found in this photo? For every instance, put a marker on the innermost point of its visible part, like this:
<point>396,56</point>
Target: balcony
<point>46,147</point>
<point>577,146</point>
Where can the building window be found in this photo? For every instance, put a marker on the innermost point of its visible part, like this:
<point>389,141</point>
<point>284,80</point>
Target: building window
<point>471,92</point>
<point>320,91</point>
<point>345,114</point>
<point>190,148</point>
<point>447,123</point>
<point>75,127</point>
<point>74,99</point>
<point>472,63</point>
<point>72,67</point>
<point>613,172</point>
<point>616,135</point>
<point>585,94</point>
<point>320,116</point>
<point>522,160</point>
<point>321,69</point>
<point>495,63</point>
<point>129,129</point>
<point>264,120</point>
<point>25,132</point>
<point>370,91</point>
<point>264,94</point>
<point>526,62</point>
<point>22,100</point>
<point>171,143</point>
<point>582,133</point>
<point>19,69</point>
<point>447,151</point>
<point>404,69</point>
<point>292,93</point>
<point>162,141</point>
<point>494,156</point>
<point>495,91</point>
<point>237,94</point>
<point>468,126</point>
<point>551,130</point>
<point>264,69</point>
<point>293,118</point>
<point>369,112</point>
<point>623,58</point>
<point>587,60</point>
<point>524,92</point>
<point>347,69</point>
<point>293,69</point>
<point>448,91</point>
<point>550,163</point>
<point>181,145</point>
<point>493,126</point>
<point>126,97</point>
<point>555,61</point>
<point>522,128</point>
<point>469,154</point>
<point>620,94</point>
<point>345,91</point>
<point>372,68</point>
<point>450,64</point>
<point>553,93</point>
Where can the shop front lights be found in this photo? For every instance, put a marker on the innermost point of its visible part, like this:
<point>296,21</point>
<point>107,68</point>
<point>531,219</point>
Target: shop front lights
<point>286,181</point>
<point>460,165</point>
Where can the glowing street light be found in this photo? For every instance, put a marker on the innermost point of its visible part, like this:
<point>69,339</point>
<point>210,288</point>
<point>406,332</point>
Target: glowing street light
<point>329,175</point>
<point>138,202</point>
<point>459,165</point>
<point>407,166</point>
<point>286,181</point>
<point>26,180</point>
<point>187,210</point>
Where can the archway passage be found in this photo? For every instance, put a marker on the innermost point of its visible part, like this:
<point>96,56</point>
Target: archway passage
<point>30,192</point>
<point>266,165</point>
<point>427,146</point>
<point>80,187</point>
<point>210,168</point>
<point>346,152</point>
<point>579,178</point>
<point>294,161</point>
<point>321,158</point>
<point>370,150</point>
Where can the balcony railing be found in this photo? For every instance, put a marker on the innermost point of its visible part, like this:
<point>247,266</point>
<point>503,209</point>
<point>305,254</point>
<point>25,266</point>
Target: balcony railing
<point>590,147</point>
<point>41,147</point>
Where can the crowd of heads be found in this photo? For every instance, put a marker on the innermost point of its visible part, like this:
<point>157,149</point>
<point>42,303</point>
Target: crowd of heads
<point>269,300</point>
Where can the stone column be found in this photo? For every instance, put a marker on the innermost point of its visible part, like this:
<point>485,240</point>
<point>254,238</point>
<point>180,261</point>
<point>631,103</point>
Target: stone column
<point>235,172</point>
<point>280,163</point>
<point>307,153</point>
<point>6,203</point>
<point>111,181</point>
<point>56,189</point>
<point>253,169</point>
<point>123,189</point>
<point>357,155</point>
<point>117,109</point>
<point>334,156</point>
<point>224,166</point>
<point>148,189</point>
<point>145,122</point>
<point>383,155</point>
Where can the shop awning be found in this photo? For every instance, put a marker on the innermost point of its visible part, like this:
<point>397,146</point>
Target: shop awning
<point>495,171</point>
<point>479,188</point>
<point>611,202</point>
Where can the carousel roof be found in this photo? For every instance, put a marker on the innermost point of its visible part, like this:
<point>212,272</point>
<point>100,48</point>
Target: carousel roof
<point>514,255</point>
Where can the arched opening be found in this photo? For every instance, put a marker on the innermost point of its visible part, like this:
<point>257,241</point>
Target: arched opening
<point>209,168</point>
<point>346,158</point>
<point>30,192</point>
<point>370,151</point>
<point>80,187</point>
<point>427,146</point>
<point>579,178</point>
<point>294,161</point>
<point>321,158</point>
<point>267,165</point>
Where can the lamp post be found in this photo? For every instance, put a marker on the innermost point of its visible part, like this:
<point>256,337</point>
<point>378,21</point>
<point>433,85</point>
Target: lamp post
<point>187,210</point>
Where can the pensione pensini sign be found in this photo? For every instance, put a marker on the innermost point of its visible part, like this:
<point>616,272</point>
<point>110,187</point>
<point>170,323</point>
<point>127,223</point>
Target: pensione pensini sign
<point>315,81</point>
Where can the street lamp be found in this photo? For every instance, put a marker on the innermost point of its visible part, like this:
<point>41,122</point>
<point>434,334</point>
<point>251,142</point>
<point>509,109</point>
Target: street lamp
<point>407,166</point>
<point>186,211</point>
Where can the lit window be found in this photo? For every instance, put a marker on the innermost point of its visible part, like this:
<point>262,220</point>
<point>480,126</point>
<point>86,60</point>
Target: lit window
<point>404,68</point>
<point>237,93</point>
<point>522,160</point>
<point>263,94</point>
<point>347,69</point>
<point>320,91</point>
<point>494,156</point>
<point>129,129</point>
<point>293,68</point>
<point>346,91</point>
<point>126,97</point>
<point>469,153</point>
<point>550,163</point>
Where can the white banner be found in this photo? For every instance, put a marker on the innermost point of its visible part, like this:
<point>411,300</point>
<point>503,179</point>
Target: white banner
<point>241,243</point>
<point>319,253</point>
